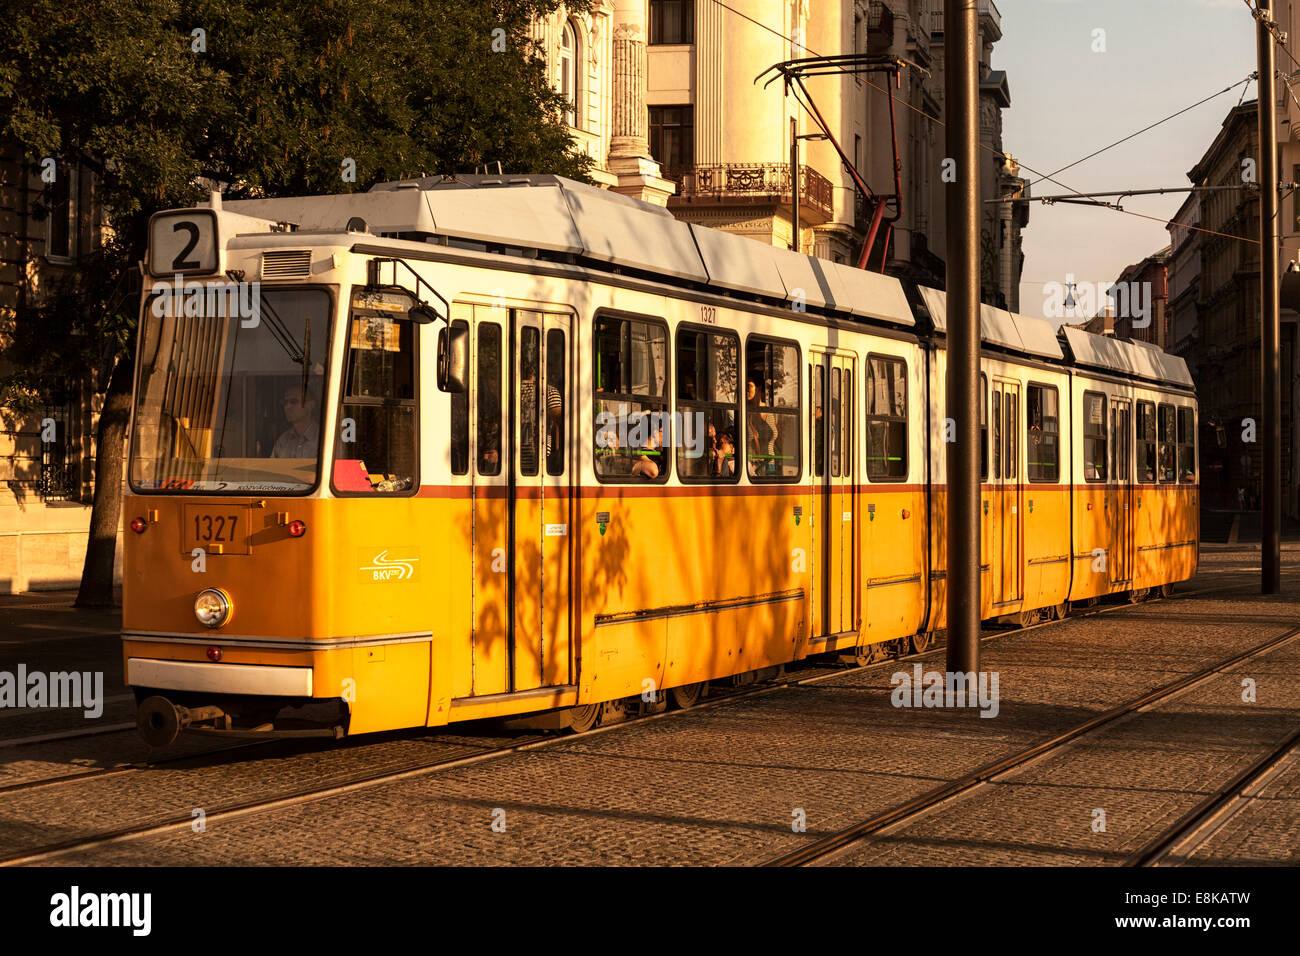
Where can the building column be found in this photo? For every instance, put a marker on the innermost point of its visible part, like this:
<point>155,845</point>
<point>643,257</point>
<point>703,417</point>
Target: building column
<point>629,150</point>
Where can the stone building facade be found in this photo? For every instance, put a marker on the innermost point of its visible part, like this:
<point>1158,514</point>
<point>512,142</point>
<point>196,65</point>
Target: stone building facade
<point>1151,276</point>
<point>1225,347</point>
<point>1185,279</point>
<point>47,453</point>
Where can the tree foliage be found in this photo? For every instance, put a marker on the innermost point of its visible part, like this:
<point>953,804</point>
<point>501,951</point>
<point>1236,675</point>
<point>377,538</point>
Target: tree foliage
<point>269,99</point>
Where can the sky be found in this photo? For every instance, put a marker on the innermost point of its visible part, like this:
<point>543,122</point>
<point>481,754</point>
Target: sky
<point>1066,101</point>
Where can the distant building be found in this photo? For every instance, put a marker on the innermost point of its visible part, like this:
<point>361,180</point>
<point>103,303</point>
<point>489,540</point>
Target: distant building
<point>1147,283</point>
<point>1184,280</point>
<point>1225,348</point>
<point>1103,323</point>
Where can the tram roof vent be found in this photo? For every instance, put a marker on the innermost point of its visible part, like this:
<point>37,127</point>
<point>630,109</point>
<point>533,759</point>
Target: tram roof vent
<point>286,264</point>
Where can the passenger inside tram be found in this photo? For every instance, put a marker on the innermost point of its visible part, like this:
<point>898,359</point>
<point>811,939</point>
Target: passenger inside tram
<point>614,461</point>
<point>762,433</point>
<point>725,456</point>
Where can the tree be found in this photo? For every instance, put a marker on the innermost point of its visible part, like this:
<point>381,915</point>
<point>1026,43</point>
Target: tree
<point>273,98</point>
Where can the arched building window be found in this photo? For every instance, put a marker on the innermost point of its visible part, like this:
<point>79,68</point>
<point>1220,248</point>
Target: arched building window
<point>569,72</point>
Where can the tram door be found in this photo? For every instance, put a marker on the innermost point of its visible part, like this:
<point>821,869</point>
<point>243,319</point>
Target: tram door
<point>1122,513</point>
<point>835,504</point>
<point>522,398</point>
<point>1005,415</point>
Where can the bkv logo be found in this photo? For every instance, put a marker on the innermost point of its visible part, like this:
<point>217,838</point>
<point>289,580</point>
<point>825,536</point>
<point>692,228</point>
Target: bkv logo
<point>236,300</point>
<point>382,567</point>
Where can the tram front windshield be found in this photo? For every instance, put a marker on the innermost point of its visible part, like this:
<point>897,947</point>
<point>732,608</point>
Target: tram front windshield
<point>231,403</point>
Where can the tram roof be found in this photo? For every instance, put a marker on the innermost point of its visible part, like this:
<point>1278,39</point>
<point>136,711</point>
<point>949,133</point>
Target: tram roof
<point>1008,330</point>
<point>1130,358</point>
<point>563,216</point>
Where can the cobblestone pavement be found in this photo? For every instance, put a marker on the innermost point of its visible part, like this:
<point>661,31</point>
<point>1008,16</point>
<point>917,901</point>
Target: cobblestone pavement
<point>43,631</point>
<point>724,784</point>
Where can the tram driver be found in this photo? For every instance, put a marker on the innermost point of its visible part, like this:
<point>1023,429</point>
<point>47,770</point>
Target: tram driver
<point>302,438</point>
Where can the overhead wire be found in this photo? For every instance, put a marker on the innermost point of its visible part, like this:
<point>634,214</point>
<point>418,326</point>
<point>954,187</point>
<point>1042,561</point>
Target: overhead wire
<point>1144,129</point>
<point>1048,177</point>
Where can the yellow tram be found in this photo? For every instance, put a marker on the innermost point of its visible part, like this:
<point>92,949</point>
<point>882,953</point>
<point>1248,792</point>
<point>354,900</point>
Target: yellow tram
<point>491,446</point>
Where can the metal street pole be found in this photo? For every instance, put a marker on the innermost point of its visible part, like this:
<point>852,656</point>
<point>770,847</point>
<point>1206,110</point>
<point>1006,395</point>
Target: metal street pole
<point>794,183</point>
<point>1271,425</point>
<point>961,139</point>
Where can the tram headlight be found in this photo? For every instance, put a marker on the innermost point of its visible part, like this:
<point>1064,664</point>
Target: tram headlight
<point>212,607</point>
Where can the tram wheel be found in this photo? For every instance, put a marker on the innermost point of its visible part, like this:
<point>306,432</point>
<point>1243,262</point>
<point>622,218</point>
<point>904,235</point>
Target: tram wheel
<point>686,696</point>
<point>1166,590</point>
<point>584,717</point>
<point>865,654</point>
<point>1061,611</point>
<point>921,641</point>
<point>1138,595</point>
<point>1029,618</point>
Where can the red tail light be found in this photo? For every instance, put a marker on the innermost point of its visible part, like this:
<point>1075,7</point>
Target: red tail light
<point>297,529</point>
<point>138,525</point>
<point>214,653</point>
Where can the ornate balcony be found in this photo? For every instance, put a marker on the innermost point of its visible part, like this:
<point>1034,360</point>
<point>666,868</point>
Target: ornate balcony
<point>880,27</point>
<point>754,184</point>
<point>990,20</point>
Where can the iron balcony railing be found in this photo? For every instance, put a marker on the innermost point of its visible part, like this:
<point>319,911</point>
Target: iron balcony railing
<point>988,11</point>
<point>752,183</point>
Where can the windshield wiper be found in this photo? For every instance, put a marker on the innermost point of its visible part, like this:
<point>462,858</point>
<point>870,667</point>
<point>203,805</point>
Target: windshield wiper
<point>279,330</point>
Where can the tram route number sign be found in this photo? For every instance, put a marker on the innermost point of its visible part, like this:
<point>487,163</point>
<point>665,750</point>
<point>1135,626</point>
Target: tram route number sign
<point>183,243</point>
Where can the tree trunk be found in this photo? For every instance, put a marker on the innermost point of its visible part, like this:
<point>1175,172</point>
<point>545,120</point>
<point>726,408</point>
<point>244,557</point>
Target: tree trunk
<point>105,515</point>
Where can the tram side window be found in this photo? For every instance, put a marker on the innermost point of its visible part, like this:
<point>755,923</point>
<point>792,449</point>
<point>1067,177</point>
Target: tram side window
<point>488,432</point>
<point>708,399</point>
<point>1186,445</point>
<point>819,420</point>
<point>1168,447</point>
<point>376,447</point>
<point>630,400</point>
<point>984,428</point>
<point>886,418</point>
<point>1043,434</point>
<point>1011,455</point>
<point>556,400</point>
<point>530,349</point>
<point>847,449</point>
<point>1094,436</point>
<point>1146,442</point>
<point>835,422</point>
<point>458,431</point>
<point>1123,442</point>
<point>772,394</point>
<point>997,434</point>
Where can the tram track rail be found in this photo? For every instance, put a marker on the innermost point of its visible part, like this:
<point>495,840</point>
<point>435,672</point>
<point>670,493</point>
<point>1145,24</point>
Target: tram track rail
<point>1200,823</point>
<point>835,844</point>
<point>345,783</point>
